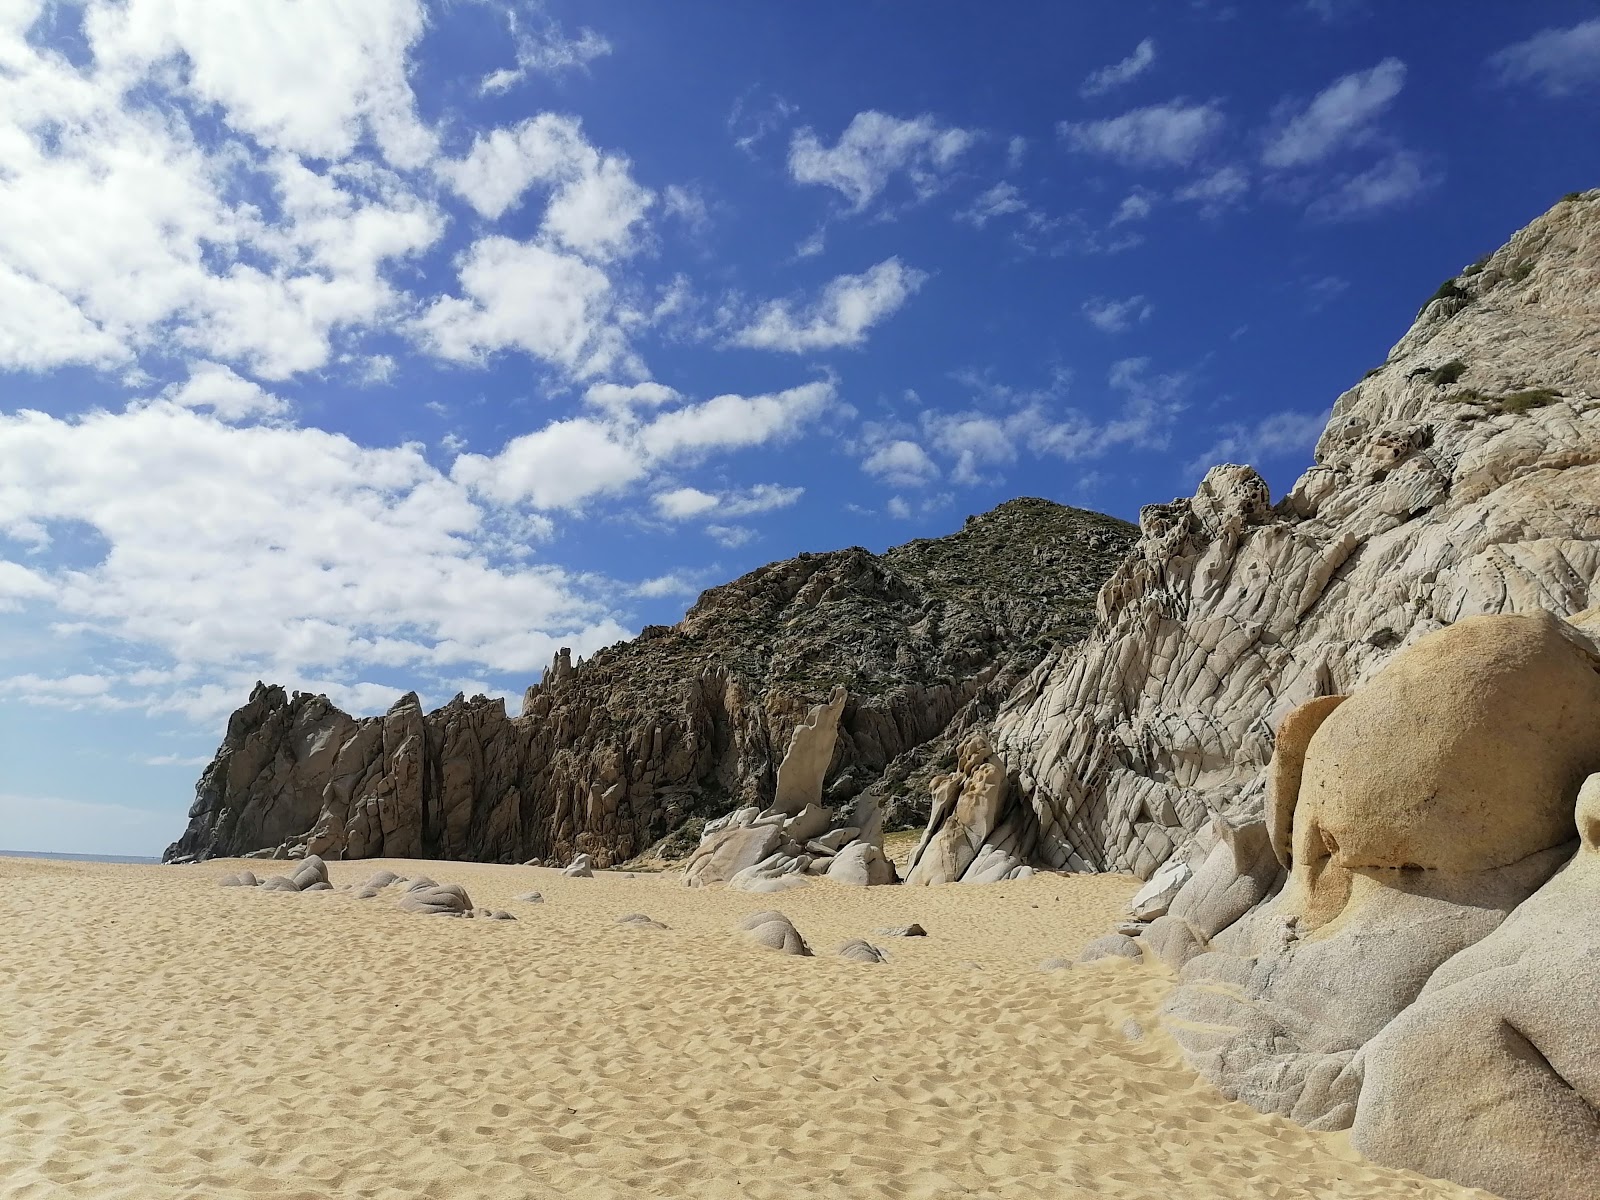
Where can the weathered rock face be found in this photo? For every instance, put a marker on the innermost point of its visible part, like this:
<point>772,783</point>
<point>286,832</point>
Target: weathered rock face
<point>681,723</point>
<point>1460,477</point>
<point>977,832</point>
<point>1417,971</point>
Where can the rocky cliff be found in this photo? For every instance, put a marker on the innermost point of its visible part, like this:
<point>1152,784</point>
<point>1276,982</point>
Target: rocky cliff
<point>683,723</point>
<point>1461,476</point>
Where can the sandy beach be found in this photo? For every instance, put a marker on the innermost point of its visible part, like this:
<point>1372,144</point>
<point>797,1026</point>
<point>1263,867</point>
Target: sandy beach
<point>163,1036</point>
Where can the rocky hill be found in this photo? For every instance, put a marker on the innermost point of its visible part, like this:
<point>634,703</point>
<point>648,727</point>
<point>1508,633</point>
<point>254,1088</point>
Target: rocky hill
<point>652,736</point>
<point>1460,476</point>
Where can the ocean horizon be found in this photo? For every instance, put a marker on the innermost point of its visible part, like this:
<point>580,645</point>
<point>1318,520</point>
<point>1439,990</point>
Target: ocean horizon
<point>105,858</point>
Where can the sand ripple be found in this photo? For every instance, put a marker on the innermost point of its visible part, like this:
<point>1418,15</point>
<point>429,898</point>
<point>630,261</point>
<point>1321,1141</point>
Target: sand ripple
<point>161,1036</point>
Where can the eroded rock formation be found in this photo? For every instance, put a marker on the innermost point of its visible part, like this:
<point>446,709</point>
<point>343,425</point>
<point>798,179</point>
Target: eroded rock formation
<point>1423,966</point>
<point>1462,476</point>
<point>684,723</point>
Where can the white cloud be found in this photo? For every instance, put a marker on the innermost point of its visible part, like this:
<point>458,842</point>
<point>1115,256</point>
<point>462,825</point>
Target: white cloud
<point>687,503</point>
<point>1279,435</point>
<point>661,586</point>
<point>1120,73</point>
<point>623,399</point>
<point>125,233</point>
<point>998,201</point>
<point>595,204</point>
<point>732,422</point>
<point>1559,62</point>
<point>901,463</point>
<point>558,466</point>
<point>544,51</point>
<point>874,147</point>
<point>568,462</point>
<point>1135,206</point>
<point>224,392</point>
<point>898,508</point>
<point>1163,135</point>
<point>848,307</point>
<point>1117,316</point>
<point>1342,114</point>
<point>1216,192</point>
<point>1016,149</point>
<point>314,80</point>
<point>814,244</point>
<point>504,163</point>
<point>686,204</point>
<point>981,443</point>
<point>730,536</point>
<point>1390,183</point>
<point>522,295</point>
<point>67,691</point>
<point>17,582</point>
<point>273,552</point>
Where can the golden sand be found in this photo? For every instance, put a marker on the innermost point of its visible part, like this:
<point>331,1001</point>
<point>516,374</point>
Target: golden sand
<point>162,1036</point>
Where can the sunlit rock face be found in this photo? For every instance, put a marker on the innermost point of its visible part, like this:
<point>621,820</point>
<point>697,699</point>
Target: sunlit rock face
<point>686,723</point>
<point>1461,477</point>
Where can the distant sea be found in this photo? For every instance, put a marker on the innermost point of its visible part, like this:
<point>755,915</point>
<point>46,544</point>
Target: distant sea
<point>111,858</point>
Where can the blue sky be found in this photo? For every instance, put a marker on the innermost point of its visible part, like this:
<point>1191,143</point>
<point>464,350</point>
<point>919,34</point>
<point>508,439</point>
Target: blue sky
<point>368,345</point>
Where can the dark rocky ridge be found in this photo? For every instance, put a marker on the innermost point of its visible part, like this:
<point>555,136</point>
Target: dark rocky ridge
<point>684,722</point>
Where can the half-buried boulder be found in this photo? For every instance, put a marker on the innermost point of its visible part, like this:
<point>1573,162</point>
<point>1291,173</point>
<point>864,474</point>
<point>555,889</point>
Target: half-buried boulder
<point>774,931</point>
<point>437,899</point>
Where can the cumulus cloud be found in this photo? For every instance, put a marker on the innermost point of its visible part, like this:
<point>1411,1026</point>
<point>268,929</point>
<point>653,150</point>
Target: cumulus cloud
<point>226,393</point>
<point>1342,114</point>
<point>901,463</point>
<point>848,307</point>
<point>1123,72</point>
<point>568,462</point>
<point>1117,316</point>
<point>529,297</point>
<point>595,204</point>
<point>124,233</point>
<point>672,584</point>
<point>272,552</point>
<point>1559,62</point>
<point>733,421</point>
<point>1173,134</point>
<point>872,149</point>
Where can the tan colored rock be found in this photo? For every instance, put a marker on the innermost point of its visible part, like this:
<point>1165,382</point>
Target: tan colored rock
<point>1433,801</point>
<point>436,899</point>
<point>1288,761</point>
<point>774,931</point>
<point>1492,1078</point>
<point>1425,505</point>
<point>809,822</point>
<point>730,851</point>
<point>857,950</point>
<point>810,751</point>
<point>861,864</point>
<point>977,830</point>
<point>1464,754</point>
